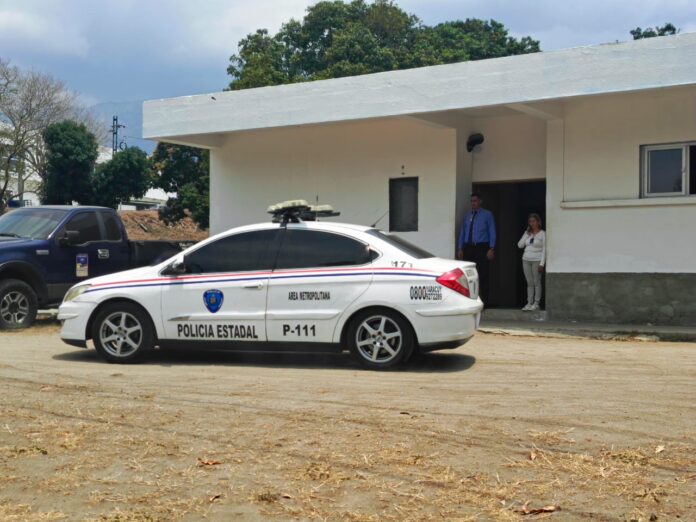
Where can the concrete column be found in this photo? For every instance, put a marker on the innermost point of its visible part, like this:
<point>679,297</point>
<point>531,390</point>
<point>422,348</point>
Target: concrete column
<point>555,166</point>
<point>464,179</point>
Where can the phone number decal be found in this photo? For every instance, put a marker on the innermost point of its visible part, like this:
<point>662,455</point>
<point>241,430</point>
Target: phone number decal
<point>426,293</point>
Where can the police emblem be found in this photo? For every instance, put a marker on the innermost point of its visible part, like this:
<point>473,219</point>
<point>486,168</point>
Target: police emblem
<point>213,300</point>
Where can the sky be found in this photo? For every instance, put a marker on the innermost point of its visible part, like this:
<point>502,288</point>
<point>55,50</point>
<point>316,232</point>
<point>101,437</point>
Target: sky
<point>124,50</point>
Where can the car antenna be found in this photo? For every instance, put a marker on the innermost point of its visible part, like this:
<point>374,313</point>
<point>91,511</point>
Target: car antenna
<point>380,219</point>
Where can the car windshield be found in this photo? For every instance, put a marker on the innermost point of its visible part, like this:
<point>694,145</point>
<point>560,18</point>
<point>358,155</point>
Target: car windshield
<point>401,244</point>
<point>33,223</point>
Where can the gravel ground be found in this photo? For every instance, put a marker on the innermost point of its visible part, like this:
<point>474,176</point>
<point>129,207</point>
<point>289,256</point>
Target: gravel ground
<point>503,428</point>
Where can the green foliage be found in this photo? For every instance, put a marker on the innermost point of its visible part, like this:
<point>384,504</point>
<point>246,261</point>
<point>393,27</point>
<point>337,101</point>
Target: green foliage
<point>650,32</point>
<point>185,171</point>
<point>125,176</point>
<point>338,39</point>
<point>71,152</point>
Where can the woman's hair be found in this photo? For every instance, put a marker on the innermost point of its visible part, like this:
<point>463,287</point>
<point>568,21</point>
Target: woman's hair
<point>535,216</point>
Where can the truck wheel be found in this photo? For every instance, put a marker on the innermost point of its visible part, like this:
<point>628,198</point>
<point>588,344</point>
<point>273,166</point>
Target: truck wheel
<point>380,339</point>
<point>18,304</point>
<point>123,333</point>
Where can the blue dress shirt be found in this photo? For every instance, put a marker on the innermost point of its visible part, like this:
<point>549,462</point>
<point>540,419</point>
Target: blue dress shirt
<point>484,228</point>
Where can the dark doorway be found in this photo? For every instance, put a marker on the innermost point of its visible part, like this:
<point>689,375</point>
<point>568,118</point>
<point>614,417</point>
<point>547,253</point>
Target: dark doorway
<point>510,203</point>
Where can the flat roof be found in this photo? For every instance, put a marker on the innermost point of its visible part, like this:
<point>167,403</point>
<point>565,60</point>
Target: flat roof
<point>650,63</point>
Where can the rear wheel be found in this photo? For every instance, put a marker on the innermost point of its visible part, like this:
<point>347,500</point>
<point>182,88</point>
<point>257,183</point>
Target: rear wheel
<point>18,305</point>
<point>380,339</point>
<point>123,333</point>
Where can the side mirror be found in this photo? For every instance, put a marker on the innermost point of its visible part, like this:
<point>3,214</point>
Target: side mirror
<point>69,238</point>
<point>178,267</point>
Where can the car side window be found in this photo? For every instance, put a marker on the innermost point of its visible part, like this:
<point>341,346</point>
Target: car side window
<point>237,253</point>
<point>113,231</point>
<point>87,225</point>
<point>314,249</point>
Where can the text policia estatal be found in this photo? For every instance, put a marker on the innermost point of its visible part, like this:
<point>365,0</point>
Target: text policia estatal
<point>216,331</point>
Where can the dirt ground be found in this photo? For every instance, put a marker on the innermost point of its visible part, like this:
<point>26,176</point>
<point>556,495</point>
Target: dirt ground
<point>503,428</point>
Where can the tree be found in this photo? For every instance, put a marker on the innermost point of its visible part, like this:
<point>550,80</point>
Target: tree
<point>666,30</point>
<point>71,153</point>
<point>338,39</point>
<point>184,171</point>
<point>125,176</point>
<point>29,103</point>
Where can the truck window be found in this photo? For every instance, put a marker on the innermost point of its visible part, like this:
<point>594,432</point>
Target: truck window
<point>87,225</point>
<point>113,231</point>
<point>35,223</point>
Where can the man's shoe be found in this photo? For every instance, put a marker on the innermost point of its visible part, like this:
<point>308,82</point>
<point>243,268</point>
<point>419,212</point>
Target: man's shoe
<point>534,307</point>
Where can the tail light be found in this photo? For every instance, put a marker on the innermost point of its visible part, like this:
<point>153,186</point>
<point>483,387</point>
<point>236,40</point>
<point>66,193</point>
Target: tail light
<point>456,280</point>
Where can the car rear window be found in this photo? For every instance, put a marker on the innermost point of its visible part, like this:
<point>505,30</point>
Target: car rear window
<point>401,244</point>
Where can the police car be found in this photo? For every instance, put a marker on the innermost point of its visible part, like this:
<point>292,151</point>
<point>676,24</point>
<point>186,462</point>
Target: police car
<point>295,283</point>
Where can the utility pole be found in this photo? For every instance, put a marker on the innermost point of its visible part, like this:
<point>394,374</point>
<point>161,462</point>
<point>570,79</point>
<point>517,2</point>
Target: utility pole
<point>114,135</point>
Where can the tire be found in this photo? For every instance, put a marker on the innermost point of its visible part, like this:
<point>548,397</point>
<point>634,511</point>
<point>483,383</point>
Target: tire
<point>380,339</point>
<point>123,333</point>
<point>18,305</point>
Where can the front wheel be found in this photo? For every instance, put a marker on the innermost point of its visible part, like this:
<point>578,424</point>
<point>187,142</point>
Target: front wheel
<point>18,305</point>
<point>123,333</point>
<point>380,339</point>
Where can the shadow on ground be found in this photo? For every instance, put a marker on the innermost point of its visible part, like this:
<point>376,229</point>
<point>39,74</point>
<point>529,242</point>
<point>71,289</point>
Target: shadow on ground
<point>420,363</point>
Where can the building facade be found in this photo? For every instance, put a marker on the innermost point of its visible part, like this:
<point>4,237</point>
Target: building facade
<point>601,141</point>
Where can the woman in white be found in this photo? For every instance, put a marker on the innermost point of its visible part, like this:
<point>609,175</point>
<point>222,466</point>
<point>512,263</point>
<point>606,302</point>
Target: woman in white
<point>533,242</point>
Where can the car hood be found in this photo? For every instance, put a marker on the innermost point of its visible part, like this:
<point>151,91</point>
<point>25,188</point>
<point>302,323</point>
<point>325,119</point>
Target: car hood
<point>13,242</point>
<point>145,272</point>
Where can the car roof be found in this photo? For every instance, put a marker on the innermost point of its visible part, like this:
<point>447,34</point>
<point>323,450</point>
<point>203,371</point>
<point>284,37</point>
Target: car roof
<point>312,225</point>
<point>69,207</point>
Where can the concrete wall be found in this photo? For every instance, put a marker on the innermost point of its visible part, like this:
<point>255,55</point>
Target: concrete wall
<point>632,298</point>
<point>598,223</point>
<point>612,256</point>
<point>348,166</point>
<point>514,149</point>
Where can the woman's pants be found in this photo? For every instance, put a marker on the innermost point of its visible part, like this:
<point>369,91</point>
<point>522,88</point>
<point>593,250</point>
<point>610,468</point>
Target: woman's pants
<point>533,277</point>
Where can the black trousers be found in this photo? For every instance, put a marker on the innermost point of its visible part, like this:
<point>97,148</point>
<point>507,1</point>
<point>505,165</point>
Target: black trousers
<point>478,254</point>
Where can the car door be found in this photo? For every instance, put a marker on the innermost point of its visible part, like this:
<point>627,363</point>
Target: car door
<point>80,259</point>
<point>317,275</point>
<point>222,295</point>
<point>113,254</point>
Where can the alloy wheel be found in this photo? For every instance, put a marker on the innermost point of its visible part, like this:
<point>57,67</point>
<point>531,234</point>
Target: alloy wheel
<point>121,334</point>
<point>379,339</point>
<point>14,308</point>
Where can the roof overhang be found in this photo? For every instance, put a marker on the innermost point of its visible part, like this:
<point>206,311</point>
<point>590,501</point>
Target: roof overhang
<point>519,82</point>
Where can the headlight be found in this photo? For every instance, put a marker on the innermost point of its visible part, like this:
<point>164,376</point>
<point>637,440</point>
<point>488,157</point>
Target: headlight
<point>75,292</point>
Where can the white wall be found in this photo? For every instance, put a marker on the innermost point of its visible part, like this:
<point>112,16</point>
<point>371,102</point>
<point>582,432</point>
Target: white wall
<point>514,149</point>
<point>594,157</point>
<point>347,165</point>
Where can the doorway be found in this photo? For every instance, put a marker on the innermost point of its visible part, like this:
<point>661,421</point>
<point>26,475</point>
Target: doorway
<point>511,203</point>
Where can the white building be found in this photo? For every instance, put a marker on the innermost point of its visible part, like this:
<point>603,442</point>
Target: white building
<point>601,141</point>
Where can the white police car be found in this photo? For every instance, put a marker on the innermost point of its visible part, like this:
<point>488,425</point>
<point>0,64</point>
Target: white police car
<point>291,285</point>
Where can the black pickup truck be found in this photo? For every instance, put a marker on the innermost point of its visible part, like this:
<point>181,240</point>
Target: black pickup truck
<point>47,249</point>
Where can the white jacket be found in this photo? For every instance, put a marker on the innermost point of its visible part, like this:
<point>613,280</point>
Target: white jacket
<point>534,246</point>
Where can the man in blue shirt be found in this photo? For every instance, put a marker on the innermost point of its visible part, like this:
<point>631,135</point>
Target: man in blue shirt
<point>477,241</point>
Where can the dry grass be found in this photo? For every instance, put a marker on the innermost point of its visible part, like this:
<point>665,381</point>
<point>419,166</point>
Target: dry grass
<point>142,470</point>
<point>120,448</point>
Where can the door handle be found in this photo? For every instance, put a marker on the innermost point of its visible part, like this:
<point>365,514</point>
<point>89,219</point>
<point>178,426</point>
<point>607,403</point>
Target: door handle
<point>103,253</point>
<point>253,286</point>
